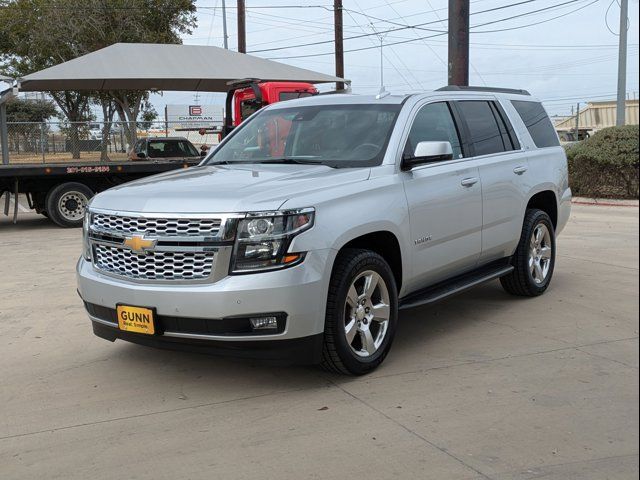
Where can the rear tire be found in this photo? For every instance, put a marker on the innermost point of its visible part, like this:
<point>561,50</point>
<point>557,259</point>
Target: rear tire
<point>67,202</point>
<point>535,257</point>
<point>362,313</point>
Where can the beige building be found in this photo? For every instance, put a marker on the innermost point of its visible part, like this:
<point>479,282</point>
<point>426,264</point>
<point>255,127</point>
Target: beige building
<point>595,116</point>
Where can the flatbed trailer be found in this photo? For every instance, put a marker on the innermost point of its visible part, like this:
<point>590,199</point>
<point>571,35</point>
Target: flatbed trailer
<point>61,191</point>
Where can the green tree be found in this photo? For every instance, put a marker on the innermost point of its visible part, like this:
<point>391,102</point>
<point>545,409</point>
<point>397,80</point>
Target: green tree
<point>147,116</point>
<point>36,34</point>
<point>28,117</point>
<point>35,111</point>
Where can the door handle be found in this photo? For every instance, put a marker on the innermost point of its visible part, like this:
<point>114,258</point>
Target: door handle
<point>468,182</point>
<point>520,170</point>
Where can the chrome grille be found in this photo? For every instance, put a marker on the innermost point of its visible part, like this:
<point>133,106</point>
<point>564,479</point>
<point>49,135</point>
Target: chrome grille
<point>161,227</point>
<point>153,265</point>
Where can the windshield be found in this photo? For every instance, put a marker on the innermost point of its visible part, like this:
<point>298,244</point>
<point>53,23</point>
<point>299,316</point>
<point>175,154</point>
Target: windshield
<point>339,136</point>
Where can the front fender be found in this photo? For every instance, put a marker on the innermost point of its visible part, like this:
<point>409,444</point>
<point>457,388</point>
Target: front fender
<point>375,205</point>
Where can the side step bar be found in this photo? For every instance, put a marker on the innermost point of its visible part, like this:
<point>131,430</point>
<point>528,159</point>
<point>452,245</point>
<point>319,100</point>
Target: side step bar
<point>457,285</point>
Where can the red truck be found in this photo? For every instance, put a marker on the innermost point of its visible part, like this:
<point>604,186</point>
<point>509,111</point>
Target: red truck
<point>250,99</point>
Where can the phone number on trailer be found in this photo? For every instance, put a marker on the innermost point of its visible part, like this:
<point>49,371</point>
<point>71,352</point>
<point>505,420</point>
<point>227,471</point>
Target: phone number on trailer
<point>96,169</point>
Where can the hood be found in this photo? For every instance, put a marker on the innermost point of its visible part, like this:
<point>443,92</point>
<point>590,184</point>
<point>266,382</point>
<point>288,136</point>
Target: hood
<point>224,189</point>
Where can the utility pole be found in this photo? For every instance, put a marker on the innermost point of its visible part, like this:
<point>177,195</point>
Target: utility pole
<point>242,33</point>
<point>225,41</point>
<point>339,47</point>
<point>621,107</point>
<point>458,42</point>
<point>577,121</point>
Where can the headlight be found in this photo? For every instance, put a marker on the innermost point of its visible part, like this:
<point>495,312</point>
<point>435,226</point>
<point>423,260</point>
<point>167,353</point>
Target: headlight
<point>263,240</point>
<point>86,247</point>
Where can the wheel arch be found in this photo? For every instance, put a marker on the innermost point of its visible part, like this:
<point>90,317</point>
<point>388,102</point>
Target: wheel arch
<point>386,244</point>
<point>547,201</point>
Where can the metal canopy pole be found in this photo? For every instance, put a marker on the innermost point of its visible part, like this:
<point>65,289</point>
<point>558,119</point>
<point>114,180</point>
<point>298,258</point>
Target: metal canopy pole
<point>4,136</point>
<point>5,95</point>
<point>4,139</point>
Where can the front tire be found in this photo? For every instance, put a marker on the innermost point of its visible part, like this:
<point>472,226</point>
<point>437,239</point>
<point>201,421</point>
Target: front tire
<point>362,313</point>
<point>535,257</point>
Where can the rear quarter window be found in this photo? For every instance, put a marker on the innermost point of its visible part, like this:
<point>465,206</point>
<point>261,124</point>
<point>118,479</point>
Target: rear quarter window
<point>537,122</point>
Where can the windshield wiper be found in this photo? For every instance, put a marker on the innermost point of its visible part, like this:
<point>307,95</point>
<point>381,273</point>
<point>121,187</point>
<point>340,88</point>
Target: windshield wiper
<point>293,160</point>
<point>288,160</point>
<point>219,162</point>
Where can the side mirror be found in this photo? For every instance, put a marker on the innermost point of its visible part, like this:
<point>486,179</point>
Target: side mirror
<point>427,152</point>
<point>141,155</point>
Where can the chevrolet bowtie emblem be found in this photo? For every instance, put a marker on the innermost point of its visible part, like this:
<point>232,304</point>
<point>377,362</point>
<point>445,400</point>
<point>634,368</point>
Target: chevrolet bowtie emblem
<point>139,244</point>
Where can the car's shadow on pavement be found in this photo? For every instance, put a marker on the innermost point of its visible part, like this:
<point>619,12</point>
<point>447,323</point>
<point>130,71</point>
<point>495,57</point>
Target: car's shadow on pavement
<point>419,329</point>
<point>420,326</point>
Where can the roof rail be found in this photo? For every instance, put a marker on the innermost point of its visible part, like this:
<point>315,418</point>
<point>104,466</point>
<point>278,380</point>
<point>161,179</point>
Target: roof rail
<point>451,88</point>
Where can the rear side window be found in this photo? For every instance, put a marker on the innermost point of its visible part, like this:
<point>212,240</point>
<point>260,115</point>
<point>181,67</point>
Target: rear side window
<point>537,122</point>
<point>485,133</point>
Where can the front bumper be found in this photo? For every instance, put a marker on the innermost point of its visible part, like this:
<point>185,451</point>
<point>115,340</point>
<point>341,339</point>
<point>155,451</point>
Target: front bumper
<point>299,293</point>
<point>304,350</point>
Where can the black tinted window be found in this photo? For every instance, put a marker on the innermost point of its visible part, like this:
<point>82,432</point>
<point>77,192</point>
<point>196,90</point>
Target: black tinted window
<point>248,108</point>
<point>293,95</point>
<point>508,135</point>
<point>434,123</point>
<point>187,149</point>
<point>538,123</point>
<point>486,136</point>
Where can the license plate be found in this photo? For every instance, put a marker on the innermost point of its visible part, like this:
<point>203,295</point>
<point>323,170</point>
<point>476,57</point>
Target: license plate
<point>135,319</point>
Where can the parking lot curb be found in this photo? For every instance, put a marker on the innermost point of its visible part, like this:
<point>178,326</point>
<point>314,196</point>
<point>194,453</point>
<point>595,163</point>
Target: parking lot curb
<point>604,202</point>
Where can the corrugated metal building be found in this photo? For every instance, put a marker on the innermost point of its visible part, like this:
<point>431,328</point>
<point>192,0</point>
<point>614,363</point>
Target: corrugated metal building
<point>598,115</point>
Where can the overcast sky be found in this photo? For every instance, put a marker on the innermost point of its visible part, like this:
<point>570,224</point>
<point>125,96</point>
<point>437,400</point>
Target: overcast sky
<point>562,61</point>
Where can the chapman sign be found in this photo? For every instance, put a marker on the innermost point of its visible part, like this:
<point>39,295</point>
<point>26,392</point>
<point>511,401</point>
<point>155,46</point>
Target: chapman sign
<point>194,116</point>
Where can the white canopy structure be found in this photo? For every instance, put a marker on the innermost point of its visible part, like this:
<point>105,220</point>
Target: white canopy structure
<point>147,66</point>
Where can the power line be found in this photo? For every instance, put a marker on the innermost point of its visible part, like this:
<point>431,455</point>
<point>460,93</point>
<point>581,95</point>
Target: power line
<point>531,24</point>
<point>440,34</point>
<point>418,26</point>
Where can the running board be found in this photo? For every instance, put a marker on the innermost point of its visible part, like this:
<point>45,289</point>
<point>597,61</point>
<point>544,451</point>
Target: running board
<point>456,285</point>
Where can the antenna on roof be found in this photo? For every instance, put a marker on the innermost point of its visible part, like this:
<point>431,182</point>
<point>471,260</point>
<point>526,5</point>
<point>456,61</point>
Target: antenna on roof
<point>383,92</point>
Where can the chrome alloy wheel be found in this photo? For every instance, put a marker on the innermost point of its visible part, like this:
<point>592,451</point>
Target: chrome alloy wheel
<point>72,205</point>
<point>540,250</point>
<point>367,312</point>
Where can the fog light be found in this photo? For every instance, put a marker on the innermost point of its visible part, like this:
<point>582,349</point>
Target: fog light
<point>264,323</point>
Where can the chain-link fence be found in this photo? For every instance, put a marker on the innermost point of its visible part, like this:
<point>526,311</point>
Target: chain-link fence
<point>61,142</point>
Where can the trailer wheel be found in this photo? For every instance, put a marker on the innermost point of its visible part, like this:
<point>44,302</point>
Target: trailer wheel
<point>67,202</point>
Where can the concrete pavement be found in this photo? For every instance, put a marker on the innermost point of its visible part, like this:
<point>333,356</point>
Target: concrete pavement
<point>481,386</point>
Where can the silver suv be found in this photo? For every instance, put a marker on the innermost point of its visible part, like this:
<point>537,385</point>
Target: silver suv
<point>311,225</point>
